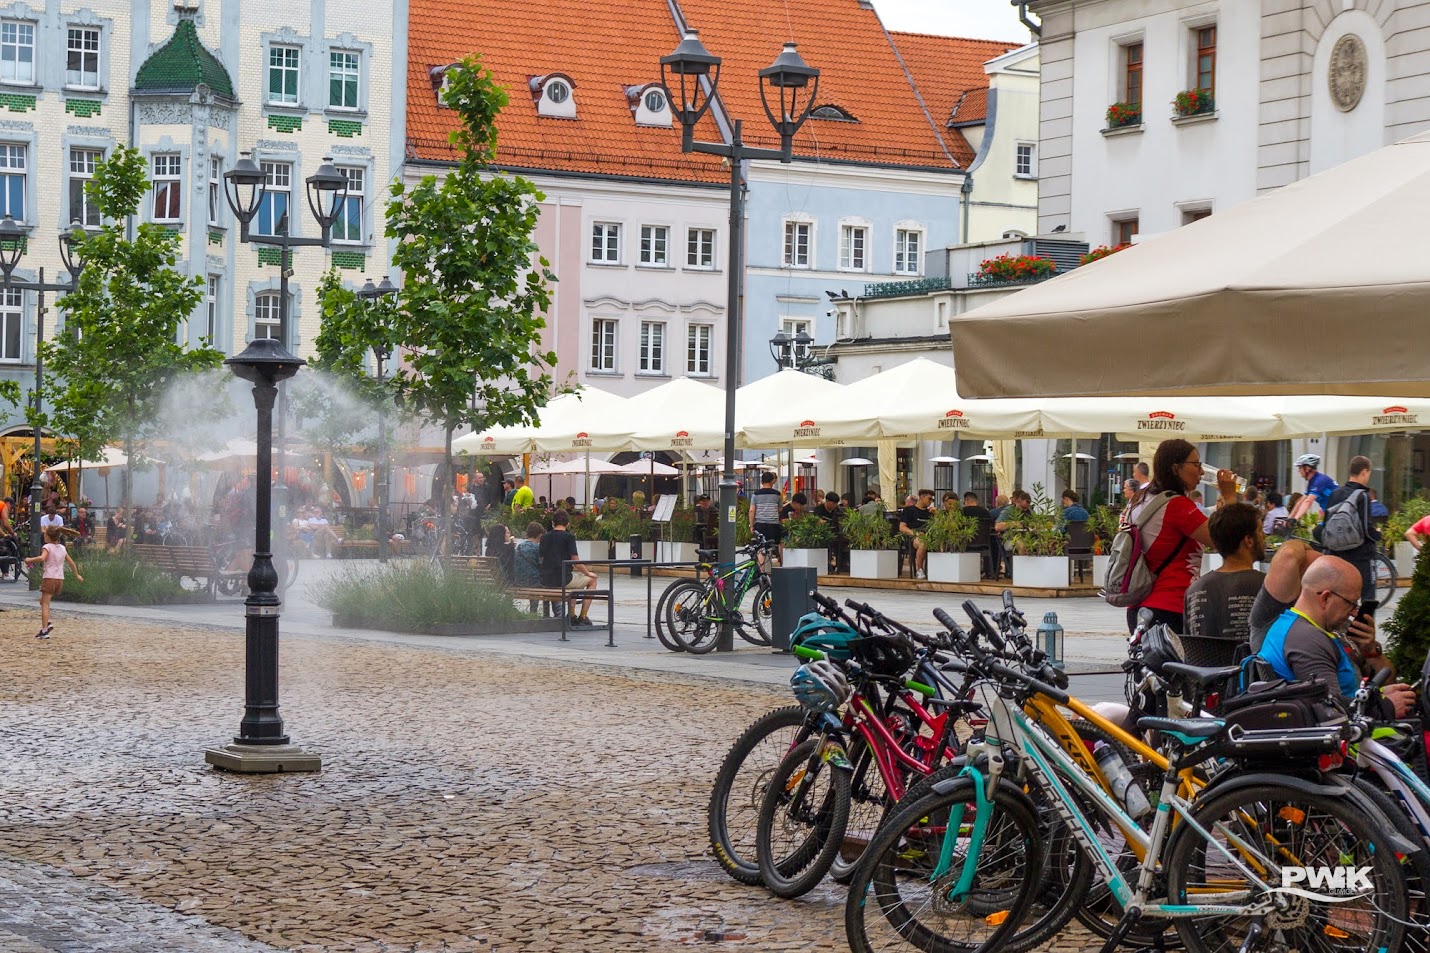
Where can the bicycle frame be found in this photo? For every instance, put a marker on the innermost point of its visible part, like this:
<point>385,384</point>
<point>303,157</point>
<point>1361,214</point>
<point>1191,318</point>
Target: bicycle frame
<point>861,717</point>
<point>1395,774</point>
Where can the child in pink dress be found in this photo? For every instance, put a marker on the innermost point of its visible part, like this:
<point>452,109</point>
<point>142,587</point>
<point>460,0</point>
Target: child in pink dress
<point>55,557</point>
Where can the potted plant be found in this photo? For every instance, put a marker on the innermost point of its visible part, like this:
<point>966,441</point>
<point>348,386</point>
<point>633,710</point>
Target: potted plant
<point>1104,524</point>
<point>947,537</point>
<point>678,548</point>
<point>590,541</point>
<point>1393,536</point>
<point>873,546</point>
<point>1015,268</point>
<point>1122,115</point>
<point>1039,553</point>
<point>806,542</point>
<point>1193,102</point>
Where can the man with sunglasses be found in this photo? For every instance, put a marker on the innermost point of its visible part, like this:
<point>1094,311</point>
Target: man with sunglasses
<point>1305,642</point>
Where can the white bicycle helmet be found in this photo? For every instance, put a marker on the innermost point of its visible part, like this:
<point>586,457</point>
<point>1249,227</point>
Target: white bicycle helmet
<point>1309,460</point>
<point>820,686</point>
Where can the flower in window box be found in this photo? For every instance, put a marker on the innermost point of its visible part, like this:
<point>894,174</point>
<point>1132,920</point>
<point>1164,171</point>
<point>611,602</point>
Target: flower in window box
<point>1124,114</point>
<point>1015,268</point>
<point>1101,252</point>
<point>1193,102</point>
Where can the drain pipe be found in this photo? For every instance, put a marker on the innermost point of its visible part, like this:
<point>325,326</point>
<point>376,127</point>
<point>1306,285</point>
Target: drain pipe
<point>967,191</point>
<point>1022,5</point>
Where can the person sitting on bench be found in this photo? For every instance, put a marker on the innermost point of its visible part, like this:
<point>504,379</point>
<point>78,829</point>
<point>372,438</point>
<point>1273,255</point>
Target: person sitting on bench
<point>557,547</point>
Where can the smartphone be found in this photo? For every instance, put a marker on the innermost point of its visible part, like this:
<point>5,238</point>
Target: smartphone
<point>1368,608</point>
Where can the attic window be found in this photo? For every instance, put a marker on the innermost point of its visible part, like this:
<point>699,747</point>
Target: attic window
<point>832,112</point>
<point>441,81</point>
<point>554,95</point>
<point>650,105</point>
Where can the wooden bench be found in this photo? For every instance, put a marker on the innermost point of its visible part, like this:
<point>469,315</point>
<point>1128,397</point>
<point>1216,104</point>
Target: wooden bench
<point>487,569</point>
<point>196,563</point>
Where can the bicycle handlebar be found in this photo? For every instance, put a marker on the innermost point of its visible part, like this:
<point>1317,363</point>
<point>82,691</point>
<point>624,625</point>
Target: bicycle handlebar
<point>874,615</point>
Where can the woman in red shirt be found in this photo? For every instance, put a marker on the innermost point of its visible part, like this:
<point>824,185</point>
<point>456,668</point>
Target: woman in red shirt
<point>1176,468</point>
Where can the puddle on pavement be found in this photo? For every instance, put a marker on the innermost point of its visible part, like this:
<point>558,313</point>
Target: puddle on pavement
<point>681,870</point>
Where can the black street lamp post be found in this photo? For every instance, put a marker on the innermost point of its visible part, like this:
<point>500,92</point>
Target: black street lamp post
<point>381,352</point>
<point>12,246</point>
<point>697,75</point>
<point>797,353</point>
<point>262,745</point>
<point>245,188</point>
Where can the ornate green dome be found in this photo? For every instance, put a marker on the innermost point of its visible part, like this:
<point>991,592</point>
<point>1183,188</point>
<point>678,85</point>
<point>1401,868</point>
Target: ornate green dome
<point>182,64</point>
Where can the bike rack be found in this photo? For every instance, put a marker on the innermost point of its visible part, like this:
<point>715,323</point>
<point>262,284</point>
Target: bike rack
<point>611,566</point>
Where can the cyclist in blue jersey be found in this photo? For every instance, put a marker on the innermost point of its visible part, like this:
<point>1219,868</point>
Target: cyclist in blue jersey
<point>1319,487</point>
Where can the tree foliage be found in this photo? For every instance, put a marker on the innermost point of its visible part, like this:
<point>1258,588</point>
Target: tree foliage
<point>465,330</point>
<point>117,353</point>
<point>1408,630</point>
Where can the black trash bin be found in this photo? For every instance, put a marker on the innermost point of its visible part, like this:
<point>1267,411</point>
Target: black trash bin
<point>790,591</point>
<point>636,554</point>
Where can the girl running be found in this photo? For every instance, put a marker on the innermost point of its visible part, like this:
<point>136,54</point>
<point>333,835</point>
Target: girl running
<point>54,556</point>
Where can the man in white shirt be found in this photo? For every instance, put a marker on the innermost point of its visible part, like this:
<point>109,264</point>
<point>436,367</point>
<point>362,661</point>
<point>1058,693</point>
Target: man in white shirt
<point>51,519</point>
<point>323,536</point>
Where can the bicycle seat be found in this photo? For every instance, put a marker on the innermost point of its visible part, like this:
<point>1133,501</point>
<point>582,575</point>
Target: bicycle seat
<point>1201,675</point>
<point>1189,731</point>
<point>706,553</point>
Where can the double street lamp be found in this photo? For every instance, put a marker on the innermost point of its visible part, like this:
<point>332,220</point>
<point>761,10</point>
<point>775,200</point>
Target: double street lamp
<point>788,87</point>
<point>797,353</point>
<point>12,246</point>
<point>372,294</point>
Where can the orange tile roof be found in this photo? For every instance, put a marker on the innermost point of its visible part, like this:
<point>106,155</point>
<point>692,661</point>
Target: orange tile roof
<point>948,67</point>
<point>859,73</point>
<point>602,49</point>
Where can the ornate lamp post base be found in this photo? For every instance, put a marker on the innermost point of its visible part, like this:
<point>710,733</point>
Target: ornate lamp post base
<point>262,759</point>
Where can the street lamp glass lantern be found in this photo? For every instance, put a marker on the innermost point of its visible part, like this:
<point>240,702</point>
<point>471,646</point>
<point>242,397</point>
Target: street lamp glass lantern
<point>692,63</point>
<point>327,190</point>
<point>789,74</point>
<point>368,291</point>
<point>385,287</point>
<point>265,362</point>
<point>12,244</point>
<point>779,349</point>
<point>245,184</point>
<point>802,345</point>
<point>72,250</point>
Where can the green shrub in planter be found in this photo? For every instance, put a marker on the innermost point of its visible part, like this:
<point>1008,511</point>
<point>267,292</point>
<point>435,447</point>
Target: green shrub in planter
<point>585,527</point>
<point>949,532</point>
<point>110,578</point>
<point>808,532</point>
<point>868,531</point>
<point>1103,525</point>
<point>413,595</point>
<point>1037,535</point>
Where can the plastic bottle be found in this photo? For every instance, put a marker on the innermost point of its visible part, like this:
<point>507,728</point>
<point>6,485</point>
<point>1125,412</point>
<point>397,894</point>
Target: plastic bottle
<point>1127,791</point>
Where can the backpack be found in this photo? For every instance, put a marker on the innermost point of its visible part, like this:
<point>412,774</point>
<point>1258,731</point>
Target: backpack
<point>1344,527</point>
<point>1129,579</point>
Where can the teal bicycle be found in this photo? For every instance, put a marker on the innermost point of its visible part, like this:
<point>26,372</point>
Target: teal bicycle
<point>956,871</point>
<point>737,594</point>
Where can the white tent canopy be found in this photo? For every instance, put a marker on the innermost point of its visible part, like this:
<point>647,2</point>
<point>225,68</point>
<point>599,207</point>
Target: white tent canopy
<point>589,419</point>
<point>786,408</point>
<point>683,414</point>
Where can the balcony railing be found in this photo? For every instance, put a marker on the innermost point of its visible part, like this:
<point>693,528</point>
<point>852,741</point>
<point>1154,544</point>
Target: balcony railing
<point>914,286</point>
<point>978,280</point>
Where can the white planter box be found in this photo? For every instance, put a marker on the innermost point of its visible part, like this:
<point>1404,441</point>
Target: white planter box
<point>1041,572</point>
<point>675,552</point>
<point>817,559</point>
<point>1405,556</point>
<point>591,548</point>
<point>874,563</point>
<point>1099,569</point>
<point>955,567</point>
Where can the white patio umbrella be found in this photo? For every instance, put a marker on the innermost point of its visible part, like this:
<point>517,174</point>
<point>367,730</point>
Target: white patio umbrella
<point>110,457</point>
<point>682,414</point>
<point>589,419</point>
<point>919,399</point>
<point>788,409</point>
<point>649,467</point>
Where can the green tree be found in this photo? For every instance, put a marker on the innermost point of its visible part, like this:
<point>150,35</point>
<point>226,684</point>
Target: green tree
<point>117,353</point>
<point>465,330</point>
<point>1408,630</point>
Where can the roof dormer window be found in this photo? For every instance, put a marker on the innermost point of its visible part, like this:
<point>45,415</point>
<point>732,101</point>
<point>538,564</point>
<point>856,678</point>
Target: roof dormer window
<point>832,112</point>
<point>554,95</point>
<point>650,105</point>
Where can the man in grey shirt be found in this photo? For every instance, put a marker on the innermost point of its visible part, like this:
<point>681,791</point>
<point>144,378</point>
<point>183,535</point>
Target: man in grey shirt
<point>1219,604</point>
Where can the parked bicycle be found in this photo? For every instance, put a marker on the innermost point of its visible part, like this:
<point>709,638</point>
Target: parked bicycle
<point>736,594</point>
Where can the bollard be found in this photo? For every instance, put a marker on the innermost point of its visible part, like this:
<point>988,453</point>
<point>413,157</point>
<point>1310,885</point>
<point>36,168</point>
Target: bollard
<point>790,587</point>
<point>636,554</point>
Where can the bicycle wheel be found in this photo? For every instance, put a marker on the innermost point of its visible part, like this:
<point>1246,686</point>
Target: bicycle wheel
<point>661,632</point>
<point>868,803</point>
<point>175,539</point>
<point>688,617</point>
<point>757,609</point>
<point>906,891</point>
<point>739,789</point>
<point>802,820</point>
<point>1386,578</point>
<point>1268,827</point>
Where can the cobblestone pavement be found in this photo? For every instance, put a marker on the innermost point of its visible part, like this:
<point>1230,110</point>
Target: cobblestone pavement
<point>466,803</point>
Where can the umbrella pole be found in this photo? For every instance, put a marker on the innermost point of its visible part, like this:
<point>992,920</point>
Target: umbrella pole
<point>586,490</point>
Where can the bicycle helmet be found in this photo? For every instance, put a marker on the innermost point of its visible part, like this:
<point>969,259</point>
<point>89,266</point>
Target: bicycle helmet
<point>1309,460</point>
<point>885,655</point>
<point>820,686</point>
<point>1161,645</point>
<point>832,638</point>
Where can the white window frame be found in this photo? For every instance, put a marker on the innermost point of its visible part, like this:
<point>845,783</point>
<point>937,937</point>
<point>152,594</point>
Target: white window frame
<point>849,231</point>
<point>166,175</point>
<point>698,338</point>
<point>12,312</point>
<point>353,59</point>
<point>605,342</point>
<point>652,349</point>
<point>84,209</point>
<point>695,253</point>
<point>609,236</point>
<point>913,263</point>
<point>1032,170</point>
<point>77,79</point>
<point>792,326</point>
<point>278,180</point>
<point>358,197</point>
<point>213,290</point>
<point>215,191</point>
<point>267,313</point>
<point>655,246</point>
<point>789,244</point>
<point>14,163</point>
<point>285,68</point>
<point>23,39</point>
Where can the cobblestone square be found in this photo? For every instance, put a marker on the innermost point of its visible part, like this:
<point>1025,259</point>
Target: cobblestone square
<point>466,803</point>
